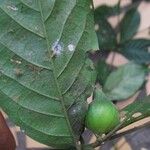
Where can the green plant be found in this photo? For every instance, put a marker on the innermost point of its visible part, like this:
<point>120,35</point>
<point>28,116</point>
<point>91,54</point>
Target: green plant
<point>46,75</point>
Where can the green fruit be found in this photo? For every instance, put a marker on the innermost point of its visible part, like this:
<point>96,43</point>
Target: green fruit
<point>102,115</point>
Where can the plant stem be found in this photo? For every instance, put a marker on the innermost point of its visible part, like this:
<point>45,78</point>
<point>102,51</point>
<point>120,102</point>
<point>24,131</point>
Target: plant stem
<point>93,4</point>
<point>130,130</point>
<point>115,136</point>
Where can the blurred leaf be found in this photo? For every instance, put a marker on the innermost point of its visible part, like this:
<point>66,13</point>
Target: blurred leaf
<point>105,11</point>
<point>137,50</point>
<point>129,24</point>
<point>124,82</point>
<point>103,70</point>
<point>87,147</point>
<point>136,111</point>
<point>106,35</point>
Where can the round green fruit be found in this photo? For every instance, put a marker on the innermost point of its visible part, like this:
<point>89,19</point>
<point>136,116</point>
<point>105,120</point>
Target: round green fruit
<point>102,116</point>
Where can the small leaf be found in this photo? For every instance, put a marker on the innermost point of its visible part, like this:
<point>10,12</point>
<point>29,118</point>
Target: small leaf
<point>136,111</point>
<point>105,11</point>
<point>129,25</point>
<point>103,70</point>
<point>137,50</point>
<point>124,82</point>
<point>106,35</point>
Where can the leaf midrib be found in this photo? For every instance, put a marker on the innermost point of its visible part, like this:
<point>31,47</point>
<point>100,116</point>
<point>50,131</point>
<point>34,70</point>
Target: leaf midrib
<point>55,78</point>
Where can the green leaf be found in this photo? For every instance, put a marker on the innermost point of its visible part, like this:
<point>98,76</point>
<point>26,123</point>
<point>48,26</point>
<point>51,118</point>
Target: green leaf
<point>106,35</point>
<point>137,110</point>
<point>105,11</point>
<point>44,69</point>
<point>124,82</point>
<point>103,70</point>
<point>137,50</point>
<point>129,24</point>
<point>87,147</point>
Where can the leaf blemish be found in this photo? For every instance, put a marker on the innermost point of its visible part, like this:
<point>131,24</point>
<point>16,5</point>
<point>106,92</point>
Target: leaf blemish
<point>15,61</point>
<point>35,68</point>
<point>137,114</point>
<point>96,27</point>
<point>12,8</point>
<point>18,72</point>
<point>57,47</point>
<point>91,7</point>
<point>36,28</point>
<point>29,55</point>
<point>71,47</point>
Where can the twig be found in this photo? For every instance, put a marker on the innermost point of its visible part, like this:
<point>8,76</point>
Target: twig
<point>93,5</point>
<point>108,138</point>
<point>129,131</point>
<point>99,142</point>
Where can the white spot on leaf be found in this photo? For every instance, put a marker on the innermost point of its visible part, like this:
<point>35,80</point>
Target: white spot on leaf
<point>71,47</point>
<point>36,28</point>
<point>16,61</point>
<point>96,27</point>
<point>91,7</point>
<point>137,114</point>
<point>57,47</point>
<point>12,8</point>
<point>29,55</point>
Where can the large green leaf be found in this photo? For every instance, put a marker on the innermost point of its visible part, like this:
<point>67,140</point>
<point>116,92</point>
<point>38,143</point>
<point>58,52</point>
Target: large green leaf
<point>138,110</point>
<point>44,65</point>
<point>137,50</point>
<point>124,82</point>
<point>129,24</point>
